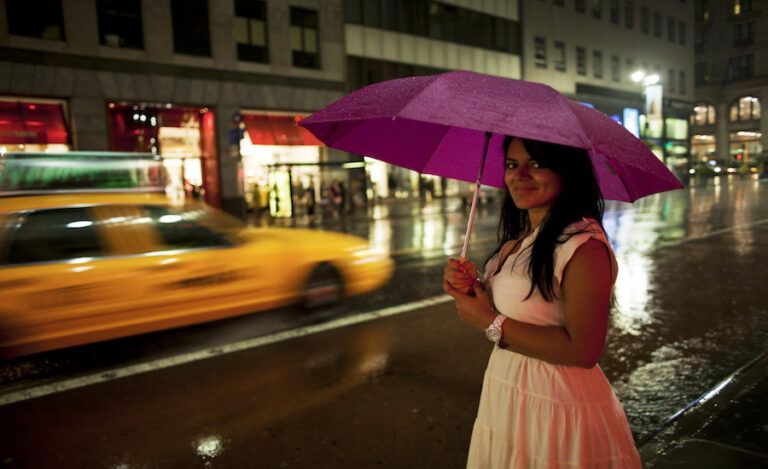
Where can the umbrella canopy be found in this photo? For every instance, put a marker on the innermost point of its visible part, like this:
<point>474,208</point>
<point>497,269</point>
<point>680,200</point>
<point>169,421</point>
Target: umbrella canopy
<point>437,124</point>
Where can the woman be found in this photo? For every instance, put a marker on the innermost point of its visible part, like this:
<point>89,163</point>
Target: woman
<point>544,301</point>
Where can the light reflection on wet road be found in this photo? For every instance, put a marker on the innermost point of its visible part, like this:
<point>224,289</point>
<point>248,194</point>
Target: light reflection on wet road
<point>691,308</point>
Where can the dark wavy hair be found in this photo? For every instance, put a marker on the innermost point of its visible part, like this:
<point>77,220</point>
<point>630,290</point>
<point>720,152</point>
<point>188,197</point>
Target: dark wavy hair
<point>580,197</point>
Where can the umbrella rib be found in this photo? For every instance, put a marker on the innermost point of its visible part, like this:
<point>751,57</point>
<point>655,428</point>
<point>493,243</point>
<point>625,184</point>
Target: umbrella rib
<point>624,184</point>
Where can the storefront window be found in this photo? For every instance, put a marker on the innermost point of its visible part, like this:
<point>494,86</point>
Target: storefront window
<point>677,129</point>
<point>745,146</point>
<point>703,114</point>
<point>174,133</point>
<point>703,147</point>
<point>281,165</point>
<point>32,125</point>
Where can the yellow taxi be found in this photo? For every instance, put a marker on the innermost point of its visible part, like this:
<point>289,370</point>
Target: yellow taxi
<point>84,267</point>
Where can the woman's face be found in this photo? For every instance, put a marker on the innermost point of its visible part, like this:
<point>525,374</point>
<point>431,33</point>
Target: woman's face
<point>532,186</point>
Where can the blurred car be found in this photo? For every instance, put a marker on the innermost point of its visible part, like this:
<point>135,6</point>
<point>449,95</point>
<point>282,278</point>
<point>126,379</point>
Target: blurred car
<point>84,267</point>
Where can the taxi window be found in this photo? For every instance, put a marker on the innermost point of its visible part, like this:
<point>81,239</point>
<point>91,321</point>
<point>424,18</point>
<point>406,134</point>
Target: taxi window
<point>54,235</point>
<point>186,229</point>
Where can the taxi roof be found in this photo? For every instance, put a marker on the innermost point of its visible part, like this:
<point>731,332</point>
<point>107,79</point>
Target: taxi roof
<point>32,201</point>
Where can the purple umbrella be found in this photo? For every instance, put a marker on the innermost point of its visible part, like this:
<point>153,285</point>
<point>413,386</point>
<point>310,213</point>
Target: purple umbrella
<point>452,125</point>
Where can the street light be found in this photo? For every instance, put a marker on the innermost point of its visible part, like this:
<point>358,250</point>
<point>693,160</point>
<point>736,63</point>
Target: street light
<point>654,118</point>
<point>639,76</point>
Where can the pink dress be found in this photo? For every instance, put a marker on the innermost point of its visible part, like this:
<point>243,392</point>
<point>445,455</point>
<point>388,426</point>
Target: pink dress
<point>534,414</point>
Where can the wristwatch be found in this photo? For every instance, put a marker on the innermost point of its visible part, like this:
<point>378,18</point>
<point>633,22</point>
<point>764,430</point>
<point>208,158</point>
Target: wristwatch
<point>494,331</point>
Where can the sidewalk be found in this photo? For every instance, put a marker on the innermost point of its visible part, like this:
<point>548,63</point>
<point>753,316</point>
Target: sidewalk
<point>727,427</point>
<point>327,218</point>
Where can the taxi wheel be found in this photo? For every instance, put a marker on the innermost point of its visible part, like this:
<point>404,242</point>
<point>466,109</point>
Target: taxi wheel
<point>323,288</point>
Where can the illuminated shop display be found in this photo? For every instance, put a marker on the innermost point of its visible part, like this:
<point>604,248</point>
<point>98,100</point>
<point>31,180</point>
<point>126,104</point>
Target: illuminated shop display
<point>183,136</point>
<point>33,126</point>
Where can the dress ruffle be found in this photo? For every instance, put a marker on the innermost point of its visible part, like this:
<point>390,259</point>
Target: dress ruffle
<point>537,415</point>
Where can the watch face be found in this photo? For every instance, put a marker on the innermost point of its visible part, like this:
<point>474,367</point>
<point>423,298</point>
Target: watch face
<point>493,334</point>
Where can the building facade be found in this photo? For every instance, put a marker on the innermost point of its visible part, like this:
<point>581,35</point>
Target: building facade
<point>589,51</point>
<point>386,39</point>
<point>216,87</point>
<point>731,79</point>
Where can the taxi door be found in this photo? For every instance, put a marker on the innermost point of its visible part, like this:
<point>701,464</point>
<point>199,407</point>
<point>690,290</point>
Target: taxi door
<point>190,271</point>
<point>61,285</point>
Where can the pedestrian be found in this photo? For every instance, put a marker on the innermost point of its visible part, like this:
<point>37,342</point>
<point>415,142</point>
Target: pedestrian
<point>544,301</point>
<point>310,196</point>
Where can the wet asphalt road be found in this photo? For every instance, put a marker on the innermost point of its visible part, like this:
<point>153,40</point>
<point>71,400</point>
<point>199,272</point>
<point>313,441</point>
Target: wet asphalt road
<point>401,391</point>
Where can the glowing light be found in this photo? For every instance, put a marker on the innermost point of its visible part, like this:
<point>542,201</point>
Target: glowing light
<point>169,219</point>
<point>209,446</point>
<point>79,224</point>
<point>81,260</point>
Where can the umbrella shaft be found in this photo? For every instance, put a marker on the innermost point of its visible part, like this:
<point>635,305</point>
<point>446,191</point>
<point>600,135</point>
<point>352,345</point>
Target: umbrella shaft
<point>475,196</point>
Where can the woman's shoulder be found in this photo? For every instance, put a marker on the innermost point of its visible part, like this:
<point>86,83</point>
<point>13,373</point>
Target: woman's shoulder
<point>587,226</point>
<point>574,236</point>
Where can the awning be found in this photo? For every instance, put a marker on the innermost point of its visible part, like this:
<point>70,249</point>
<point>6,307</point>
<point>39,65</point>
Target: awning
<point>26,122</point>
<point>266,129</point>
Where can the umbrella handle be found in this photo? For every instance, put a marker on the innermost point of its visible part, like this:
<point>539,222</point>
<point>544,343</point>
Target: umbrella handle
<point>475,196</point>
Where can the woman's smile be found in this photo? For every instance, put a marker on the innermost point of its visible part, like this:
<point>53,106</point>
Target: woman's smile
<point>531,185</point>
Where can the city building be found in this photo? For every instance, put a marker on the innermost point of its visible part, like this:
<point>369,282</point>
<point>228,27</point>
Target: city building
<point>216,87</point>
<point>731,84</point>
<point>386,39</point>
<point>590,50</point>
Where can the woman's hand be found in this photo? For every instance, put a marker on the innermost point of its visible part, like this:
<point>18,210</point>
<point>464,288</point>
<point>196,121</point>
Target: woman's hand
<point>474,309</point>
<point>460,273</point>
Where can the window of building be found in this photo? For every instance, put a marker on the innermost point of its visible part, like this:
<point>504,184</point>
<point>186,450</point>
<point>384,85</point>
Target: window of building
<point>190,27</point>
<point>629,66</point>
<point>615,68</point>
<point>657,24</point>
<point>629,14</point>
<point>683,83</point>
<point>581,61</point>
<point>597,9</point>
<point>671,80</point>
<point>703,114</point>
<point>362,71</point>
<point>353,11</point>
<point>304,38</point>
<point>437,20</point>
<point>681,32</point>
<point>701,11</point>
<point>671,29</point>
<point>741,67</point>
<point>540,52</point>
<point>251,30</point>
<point>700,73</point>
<point>746,108</point>
<point>645,20</point>
<point>559,56</point>
<point>580,6</point>
<point>741,7</point>
<point>744,33</point>
<point>120,23</point>
<point>597,64</point>
<point>613,11</point>
<point>371,11</point>
<point>40,19</point>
